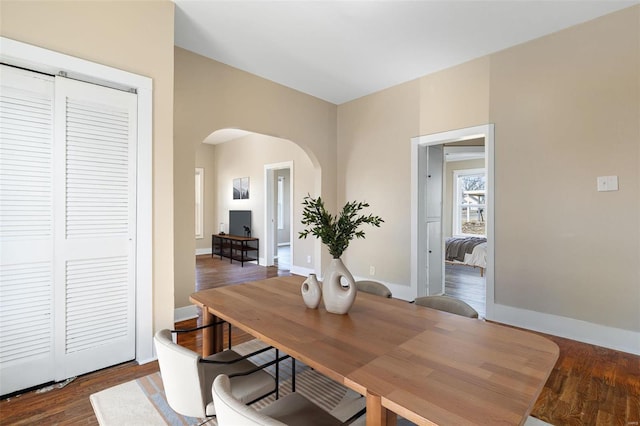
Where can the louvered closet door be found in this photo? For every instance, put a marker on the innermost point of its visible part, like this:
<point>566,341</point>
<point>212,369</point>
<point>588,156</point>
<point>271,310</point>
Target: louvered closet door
<point>95,227</point>
<point>26,229</point>
<point>67,228</point>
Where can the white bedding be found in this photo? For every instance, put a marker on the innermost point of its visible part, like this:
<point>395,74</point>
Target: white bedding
<point>478,257</point>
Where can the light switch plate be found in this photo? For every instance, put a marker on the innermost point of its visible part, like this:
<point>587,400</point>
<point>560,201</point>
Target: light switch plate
<point>607,183</point>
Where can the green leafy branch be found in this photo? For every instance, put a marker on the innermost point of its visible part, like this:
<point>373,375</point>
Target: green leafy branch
<point>336,232</point>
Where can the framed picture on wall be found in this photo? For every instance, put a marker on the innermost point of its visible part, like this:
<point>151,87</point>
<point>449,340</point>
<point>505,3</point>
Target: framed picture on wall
<point>241,188</point>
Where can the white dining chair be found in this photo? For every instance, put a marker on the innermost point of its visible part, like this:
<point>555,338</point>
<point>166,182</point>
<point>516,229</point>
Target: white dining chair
<point>292,409</point>
<point>373,287</point>
<point>187,377</point>
<point>447,304</point>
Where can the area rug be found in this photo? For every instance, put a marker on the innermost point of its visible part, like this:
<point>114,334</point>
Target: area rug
<point>142,401</point>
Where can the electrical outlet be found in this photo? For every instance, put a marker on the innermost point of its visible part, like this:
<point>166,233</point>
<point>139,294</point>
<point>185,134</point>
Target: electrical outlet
<point>308,259</point>
<point>372,270</point>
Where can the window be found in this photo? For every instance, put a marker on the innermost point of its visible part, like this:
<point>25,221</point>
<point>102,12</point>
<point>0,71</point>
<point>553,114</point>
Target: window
<point>199,203</point>
<point>469,195</point>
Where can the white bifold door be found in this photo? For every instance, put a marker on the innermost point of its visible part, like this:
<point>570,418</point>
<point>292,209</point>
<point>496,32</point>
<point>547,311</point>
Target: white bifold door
<point>430,199</point>
<point>67,228</point>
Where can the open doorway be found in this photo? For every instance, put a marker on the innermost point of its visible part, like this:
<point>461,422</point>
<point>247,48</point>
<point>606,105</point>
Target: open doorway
<point>443,207</point>
<point>464,225</point>
<point>279,210</point>
<point>260,158</point>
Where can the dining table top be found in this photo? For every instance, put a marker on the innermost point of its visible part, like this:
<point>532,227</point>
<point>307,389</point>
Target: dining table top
<point>428,366</point>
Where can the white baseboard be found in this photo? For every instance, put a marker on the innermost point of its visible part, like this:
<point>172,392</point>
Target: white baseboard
<point>299,270</point>
<point>185,313</point>
<point>147,360</point>
<point>581,331</point>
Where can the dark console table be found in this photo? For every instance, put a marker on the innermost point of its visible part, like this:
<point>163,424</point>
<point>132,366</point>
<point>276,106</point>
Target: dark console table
<point>242,249</point>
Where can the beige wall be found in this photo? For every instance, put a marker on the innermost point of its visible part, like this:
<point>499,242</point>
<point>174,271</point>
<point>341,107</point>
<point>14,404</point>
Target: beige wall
<point>566,109</point>
<point>374,160</point>
<point>455,98</point>
<point>247,157</point>
<point>210,96</point>
<point>132,36</point>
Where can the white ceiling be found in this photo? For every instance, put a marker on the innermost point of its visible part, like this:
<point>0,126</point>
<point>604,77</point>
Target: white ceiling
<point>342,50</point>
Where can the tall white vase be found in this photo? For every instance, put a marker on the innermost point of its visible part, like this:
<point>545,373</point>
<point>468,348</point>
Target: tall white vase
<point>311,292</point>
<point>339,288</point>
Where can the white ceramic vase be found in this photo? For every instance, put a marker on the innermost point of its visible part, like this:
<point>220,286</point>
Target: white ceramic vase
<point>311,291</point>
<point>339,288</point>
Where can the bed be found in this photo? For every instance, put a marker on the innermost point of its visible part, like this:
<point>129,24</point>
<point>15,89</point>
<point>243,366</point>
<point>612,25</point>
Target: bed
<point>469,251</point>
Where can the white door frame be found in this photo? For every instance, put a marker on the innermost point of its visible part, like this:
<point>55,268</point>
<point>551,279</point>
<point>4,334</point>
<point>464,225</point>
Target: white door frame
<point>270,227</point>
<point>43,60</point>
<point>417,207</point>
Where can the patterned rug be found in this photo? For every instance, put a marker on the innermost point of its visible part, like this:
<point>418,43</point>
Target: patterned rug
<point>142,401</point>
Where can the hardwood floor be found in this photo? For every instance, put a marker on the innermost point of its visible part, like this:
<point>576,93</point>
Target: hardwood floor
<point>589,385</point>
<point>465,283</point>
<point>213,272</point>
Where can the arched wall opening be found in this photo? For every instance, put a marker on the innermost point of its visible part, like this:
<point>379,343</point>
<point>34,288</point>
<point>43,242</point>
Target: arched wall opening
<point>230,154</point>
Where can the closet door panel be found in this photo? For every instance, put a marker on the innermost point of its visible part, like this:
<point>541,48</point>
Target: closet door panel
<point>96,216</point>
<point>67,228</point>
<point>26,229</point>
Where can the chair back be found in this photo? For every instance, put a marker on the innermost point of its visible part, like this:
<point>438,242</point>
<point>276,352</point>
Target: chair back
<point>232,412</point>
<point>182,376</point>
<point>373,287</point>
<point>447,304</point>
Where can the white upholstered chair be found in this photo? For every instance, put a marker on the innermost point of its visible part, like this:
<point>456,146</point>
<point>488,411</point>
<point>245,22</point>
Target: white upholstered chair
<point>292,409</point>
<point>187,379</point>
<point>447,304</point>
<point>373,287</point>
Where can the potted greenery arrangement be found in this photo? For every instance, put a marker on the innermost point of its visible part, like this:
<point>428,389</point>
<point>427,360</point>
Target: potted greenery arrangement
<point>336,232</point>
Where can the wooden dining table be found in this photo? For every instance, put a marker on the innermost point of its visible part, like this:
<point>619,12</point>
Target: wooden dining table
<point>428,366</point>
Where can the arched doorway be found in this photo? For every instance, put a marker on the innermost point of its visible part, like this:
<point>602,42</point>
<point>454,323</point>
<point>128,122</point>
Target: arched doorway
<point>261,159</point>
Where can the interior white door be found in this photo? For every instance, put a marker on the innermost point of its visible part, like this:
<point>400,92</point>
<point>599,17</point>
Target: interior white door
<point>433,217</point>
<point>95,227</point>
<point>269,216</point>
<point>26,229</point>
<point>271,209</point>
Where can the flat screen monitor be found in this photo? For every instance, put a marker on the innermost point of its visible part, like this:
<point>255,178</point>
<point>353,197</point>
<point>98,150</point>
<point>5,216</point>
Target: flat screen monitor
<point>240,222</point>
